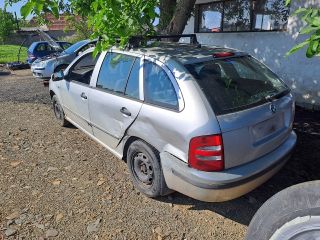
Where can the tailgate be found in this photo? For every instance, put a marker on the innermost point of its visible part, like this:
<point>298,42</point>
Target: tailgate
<point>252,133</point>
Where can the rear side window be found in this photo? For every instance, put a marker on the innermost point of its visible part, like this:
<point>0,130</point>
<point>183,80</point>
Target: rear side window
<point>114,72</point>
<point>158,88</point>
<point>132,88</point>
<point>232,84</point>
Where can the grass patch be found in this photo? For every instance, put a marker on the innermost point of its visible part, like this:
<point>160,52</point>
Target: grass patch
<point>9,53</point>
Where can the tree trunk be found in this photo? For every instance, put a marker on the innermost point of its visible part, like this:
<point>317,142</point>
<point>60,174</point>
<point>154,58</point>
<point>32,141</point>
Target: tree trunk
<point>180,17</point>
<point>167,8</point>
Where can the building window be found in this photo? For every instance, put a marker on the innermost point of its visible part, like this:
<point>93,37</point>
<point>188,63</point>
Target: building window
<point>242,16</point>
<point>269,15</point>
<point>211,17</point>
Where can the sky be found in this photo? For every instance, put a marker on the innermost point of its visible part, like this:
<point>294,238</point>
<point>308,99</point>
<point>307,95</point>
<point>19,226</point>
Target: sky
<point>14,8</point>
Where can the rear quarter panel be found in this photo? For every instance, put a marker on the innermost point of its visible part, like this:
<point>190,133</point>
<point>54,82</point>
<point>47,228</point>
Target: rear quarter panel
<point>171,131</point>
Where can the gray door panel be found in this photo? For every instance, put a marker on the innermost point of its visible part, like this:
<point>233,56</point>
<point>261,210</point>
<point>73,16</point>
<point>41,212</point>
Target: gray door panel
<point>110,115</point>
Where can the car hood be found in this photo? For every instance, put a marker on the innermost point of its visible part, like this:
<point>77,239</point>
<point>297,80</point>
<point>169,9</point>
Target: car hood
<point>51,56</point>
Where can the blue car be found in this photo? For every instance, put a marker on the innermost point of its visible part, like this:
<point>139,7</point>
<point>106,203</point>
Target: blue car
<point>42,49</point>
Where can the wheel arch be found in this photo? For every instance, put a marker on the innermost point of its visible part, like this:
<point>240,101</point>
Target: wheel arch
<point>128,142</point>
<point>52,93</point>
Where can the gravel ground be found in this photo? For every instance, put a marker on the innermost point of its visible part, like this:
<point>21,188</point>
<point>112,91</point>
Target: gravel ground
<point>57,183</point>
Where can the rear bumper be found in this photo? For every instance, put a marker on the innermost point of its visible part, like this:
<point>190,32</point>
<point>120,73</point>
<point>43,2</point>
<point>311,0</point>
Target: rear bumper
<point>228,184</point>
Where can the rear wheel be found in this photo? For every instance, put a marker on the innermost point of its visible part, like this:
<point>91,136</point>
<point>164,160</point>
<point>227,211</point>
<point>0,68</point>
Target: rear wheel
<point>292,214</point>
<point>58,112</point>
<point>146,173</point>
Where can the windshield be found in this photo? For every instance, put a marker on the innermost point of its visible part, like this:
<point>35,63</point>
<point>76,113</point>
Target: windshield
<point>75,46</point>
<point>232,84</point>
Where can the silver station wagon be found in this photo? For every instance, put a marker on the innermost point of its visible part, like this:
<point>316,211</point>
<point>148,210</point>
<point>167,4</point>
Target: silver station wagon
<point>212,123</point>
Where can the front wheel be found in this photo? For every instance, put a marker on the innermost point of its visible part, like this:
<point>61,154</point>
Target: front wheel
<point>58,112</point>
<point>146,173</point>
<point>292,214</point>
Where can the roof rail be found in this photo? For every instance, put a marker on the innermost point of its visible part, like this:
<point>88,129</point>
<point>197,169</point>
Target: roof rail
<point>135,41</point>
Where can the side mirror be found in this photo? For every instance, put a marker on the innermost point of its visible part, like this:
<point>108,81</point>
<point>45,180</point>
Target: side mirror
<point>58,76</point>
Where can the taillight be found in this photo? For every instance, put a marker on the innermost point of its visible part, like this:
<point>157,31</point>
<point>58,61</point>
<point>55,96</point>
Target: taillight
<point>223,54</point>
<point>206,153</point>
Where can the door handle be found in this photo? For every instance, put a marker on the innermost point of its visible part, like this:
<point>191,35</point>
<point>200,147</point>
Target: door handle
<point>83,95</point>
<point>125,111</point>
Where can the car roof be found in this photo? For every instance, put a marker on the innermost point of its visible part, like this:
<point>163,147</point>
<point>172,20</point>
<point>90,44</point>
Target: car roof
<point>184,53</point>
<point>47,42</point>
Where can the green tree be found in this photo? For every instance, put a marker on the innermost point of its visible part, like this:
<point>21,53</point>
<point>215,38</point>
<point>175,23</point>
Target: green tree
<point>115,21</point>
<point>311,17</point>
<point>7,25</point>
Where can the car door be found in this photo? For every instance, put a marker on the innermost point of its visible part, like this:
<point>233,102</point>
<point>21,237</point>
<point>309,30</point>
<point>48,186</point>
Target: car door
<point>74,91</point>
<point>115,97</point>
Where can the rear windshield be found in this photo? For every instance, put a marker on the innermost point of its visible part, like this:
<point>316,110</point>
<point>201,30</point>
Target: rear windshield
<point>237,83</point>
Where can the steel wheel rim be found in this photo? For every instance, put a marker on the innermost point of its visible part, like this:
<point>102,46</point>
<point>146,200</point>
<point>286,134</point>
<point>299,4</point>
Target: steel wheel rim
<point>143,169</point>
<point>300,228</point>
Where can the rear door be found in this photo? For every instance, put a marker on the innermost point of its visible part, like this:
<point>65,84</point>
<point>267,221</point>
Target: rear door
<point>115,97</point>
<point>253,106</point>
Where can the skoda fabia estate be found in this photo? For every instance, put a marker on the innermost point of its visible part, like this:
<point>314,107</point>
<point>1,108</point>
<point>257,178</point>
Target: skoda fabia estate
<point>212,123</point>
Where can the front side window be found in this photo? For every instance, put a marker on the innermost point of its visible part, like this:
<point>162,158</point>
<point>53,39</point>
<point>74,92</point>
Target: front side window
<point>158,88</point>
<point>83,69</point>
<point>114,72</point>
<point>242,15</point>
<point>236,83</point>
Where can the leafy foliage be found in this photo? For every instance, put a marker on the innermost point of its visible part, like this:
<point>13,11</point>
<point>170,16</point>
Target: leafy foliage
<point>7,24</point>
<point>311,16</point>
<point>112,21</point>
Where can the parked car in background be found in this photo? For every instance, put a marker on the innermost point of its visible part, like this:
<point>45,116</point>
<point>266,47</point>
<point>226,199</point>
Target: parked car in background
<point>212,123</point>
<point>44,67</point>
<point>42,49</point>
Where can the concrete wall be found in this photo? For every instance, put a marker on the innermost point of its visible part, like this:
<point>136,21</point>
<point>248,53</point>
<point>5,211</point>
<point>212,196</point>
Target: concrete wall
<point>300,73</point>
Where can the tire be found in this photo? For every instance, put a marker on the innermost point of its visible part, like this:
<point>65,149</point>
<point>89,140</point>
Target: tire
<point>145,169</point>
<point>60,67</point>
<point>293,213</point>
<point>58,112</point>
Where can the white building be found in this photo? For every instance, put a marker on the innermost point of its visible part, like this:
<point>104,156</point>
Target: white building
<point>265,29</point>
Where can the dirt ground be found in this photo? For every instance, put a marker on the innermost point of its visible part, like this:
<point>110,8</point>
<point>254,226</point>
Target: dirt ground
<point>57,183</point>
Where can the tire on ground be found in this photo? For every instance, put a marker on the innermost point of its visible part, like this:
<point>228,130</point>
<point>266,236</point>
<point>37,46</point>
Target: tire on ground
<point>58,112</point>
<point>287,212</point>
<point>140,151</point>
